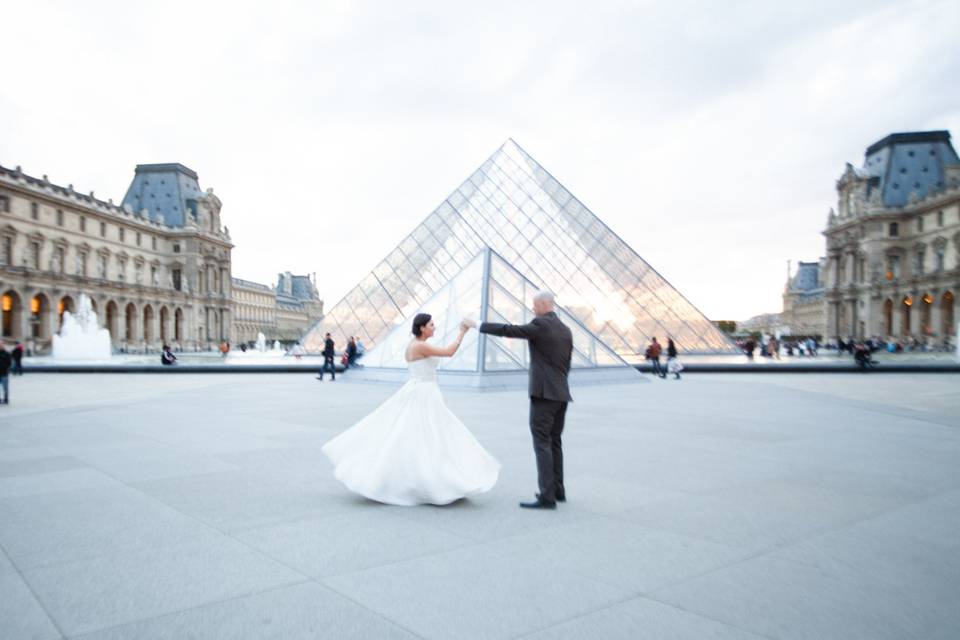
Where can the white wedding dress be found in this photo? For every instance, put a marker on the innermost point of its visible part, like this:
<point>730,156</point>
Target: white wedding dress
<point>412,449</point>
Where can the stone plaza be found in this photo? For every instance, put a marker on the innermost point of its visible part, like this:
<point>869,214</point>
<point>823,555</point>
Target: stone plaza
<point>727,506</point>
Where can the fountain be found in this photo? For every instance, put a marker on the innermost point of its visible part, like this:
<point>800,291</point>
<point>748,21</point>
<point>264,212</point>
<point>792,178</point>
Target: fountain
<point>259,354</point>
<point>80,337</point>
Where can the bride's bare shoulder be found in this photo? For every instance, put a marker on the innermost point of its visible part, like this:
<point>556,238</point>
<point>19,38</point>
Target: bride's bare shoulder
<point>414,351</point>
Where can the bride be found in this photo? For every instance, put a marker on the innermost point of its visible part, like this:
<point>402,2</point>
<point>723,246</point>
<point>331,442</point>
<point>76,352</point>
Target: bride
<point>412,449</point>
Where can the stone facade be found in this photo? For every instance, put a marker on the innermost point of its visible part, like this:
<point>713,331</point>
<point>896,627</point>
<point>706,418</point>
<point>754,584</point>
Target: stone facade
<point>157,267</point>
<point>254,310</point>
<point>893,244</point>
<point>283,312</point>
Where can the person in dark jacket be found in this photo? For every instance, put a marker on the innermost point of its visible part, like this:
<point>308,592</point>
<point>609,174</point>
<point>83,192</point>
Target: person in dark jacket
<point>551,347</point>
<point>5,362</point>
<point>17,356</point>
<point>351,352</point>
<point>166,356</point>
<point>328,364</point>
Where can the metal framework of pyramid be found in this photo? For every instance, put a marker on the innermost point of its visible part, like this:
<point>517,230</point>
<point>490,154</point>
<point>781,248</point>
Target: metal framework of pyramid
<point>516,208</point>
<point>489,289</point>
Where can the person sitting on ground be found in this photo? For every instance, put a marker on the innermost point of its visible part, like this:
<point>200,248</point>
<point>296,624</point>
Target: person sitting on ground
<point>166,356</point>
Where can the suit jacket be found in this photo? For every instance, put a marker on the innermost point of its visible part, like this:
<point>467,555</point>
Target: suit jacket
<point>551,345</point>
<point>328,348</point>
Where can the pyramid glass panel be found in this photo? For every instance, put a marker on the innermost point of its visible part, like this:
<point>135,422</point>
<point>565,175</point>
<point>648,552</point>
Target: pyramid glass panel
<point>487,289</point>
<point>514,206</point>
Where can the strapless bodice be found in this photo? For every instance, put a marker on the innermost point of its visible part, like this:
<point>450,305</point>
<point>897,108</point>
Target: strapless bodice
<point>424,369</point>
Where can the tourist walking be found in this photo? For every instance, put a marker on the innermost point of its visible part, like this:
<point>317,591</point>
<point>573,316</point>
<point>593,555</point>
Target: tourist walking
<point>673,365</point>
<point>773,349</point>
<point>328,354</point>
<point>5,361</point>
<point>17,356</point>
<point>351,352</point>
<point>653,355</point>
<point>412,449</point>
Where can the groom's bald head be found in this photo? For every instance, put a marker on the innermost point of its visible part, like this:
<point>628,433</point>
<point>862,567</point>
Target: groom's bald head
<point>543,302</point>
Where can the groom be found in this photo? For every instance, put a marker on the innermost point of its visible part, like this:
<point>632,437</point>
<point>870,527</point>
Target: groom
<point>551,344</point>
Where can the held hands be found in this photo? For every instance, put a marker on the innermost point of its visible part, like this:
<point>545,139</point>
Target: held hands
<point>467,324</point>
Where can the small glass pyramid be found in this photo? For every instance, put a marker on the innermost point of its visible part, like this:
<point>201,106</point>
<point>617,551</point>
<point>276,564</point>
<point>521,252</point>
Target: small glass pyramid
<point>514,206</point>
<point>488,289</point>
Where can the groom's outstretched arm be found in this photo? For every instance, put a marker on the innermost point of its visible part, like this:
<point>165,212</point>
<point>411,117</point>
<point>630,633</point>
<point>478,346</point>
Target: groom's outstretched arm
<point>524,331</point>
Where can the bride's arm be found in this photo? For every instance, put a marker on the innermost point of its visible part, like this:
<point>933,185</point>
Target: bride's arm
<point>425,349</point>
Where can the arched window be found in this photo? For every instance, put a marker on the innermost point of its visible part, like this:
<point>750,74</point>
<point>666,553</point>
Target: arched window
<point>947,315</point>
<point>906,306</point>
<point>888,317</point>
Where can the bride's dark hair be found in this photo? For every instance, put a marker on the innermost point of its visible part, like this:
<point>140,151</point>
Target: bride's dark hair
<point>419,321</point>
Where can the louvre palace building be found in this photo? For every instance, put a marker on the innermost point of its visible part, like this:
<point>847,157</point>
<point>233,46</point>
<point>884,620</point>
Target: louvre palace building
<point>281,312</point>
<point>156,266</point>
<point>892,268</point>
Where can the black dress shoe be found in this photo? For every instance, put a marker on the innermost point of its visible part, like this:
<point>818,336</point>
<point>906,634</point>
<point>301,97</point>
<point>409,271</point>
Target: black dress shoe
<point>538,505</point>
<point>561,497</point>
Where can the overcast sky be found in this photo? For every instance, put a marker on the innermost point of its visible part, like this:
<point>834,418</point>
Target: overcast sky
<point>708,135</point>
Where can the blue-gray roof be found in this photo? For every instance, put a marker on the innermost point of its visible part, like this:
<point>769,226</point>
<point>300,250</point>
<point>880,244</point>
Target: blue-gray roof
<point>807,277</point>
<point>905,163</point>
<point>168,189</point>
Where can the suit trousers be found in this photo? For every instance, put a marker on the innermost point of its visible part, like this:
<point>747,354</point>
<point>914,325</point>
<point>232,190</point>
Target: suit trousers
<point>546,426</point>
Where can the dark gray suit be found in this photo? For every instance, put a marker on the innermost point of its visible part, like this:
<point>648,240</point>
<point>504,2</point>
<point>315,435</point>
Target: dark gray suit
<point>551,345</point>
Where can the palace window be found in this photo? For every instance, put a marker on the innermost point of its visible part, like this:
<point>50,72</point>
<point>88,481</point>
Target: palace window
<point>176,279</point>
<point>941,255</point>
<point>176,247</point>
<point>58,260</point>
<point>102,267</point>
<point>35,255</point>
<point>6,250</point>
<point>893,267</point>
<point>894,229</point>
<point>139,238</point>
<point>5,204</point>
<point>34,211</point>
<point>82,263</point>
<point>939,218</point>
<point>920,223</point>
<point>59,217</point>
<point>121,232</point>
<point>103,229</point>
<point>153,242</point>
<point>83,224</point>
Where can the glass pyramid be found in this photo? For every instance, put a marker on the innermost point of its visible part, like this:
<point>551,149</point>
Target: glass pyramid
<point>514,206</point>
<point>488,289</point>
